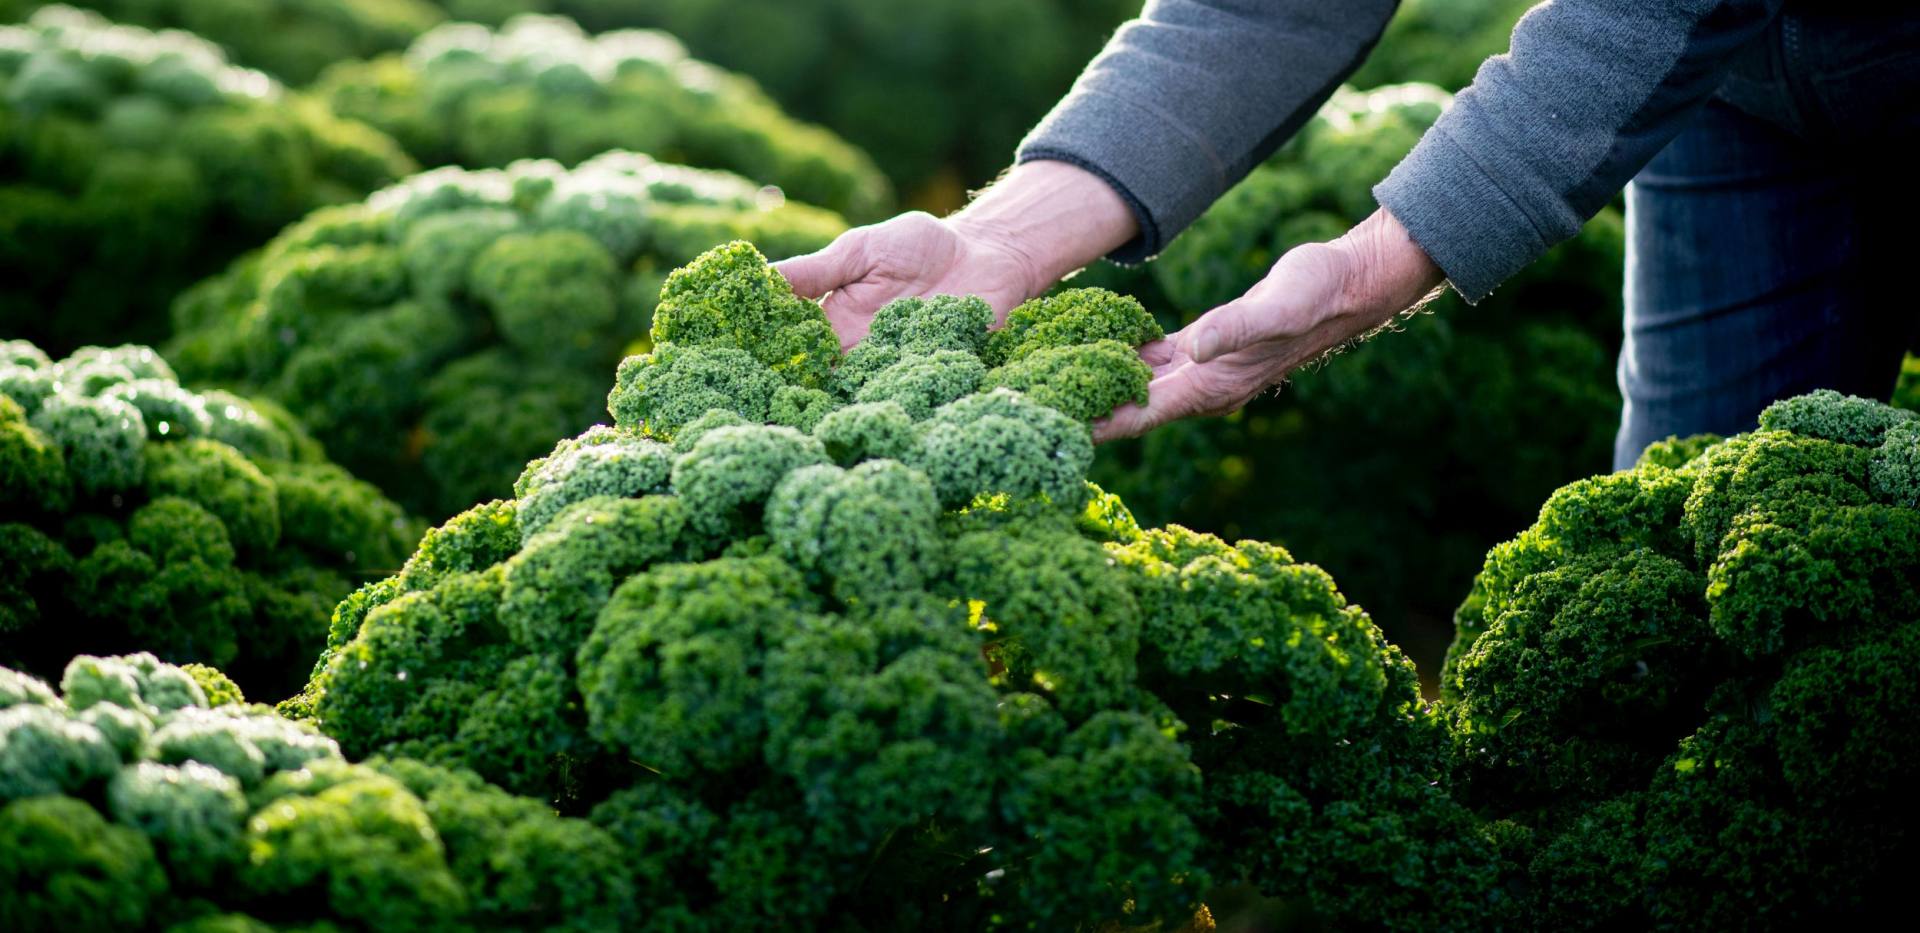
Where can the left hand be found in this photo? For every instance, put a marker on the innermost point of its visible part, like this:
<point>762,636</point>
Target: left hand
<point>1318,297</point>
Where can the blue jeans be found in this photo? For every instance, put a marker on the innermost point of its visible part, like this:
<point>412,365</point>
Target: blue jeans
<point>1771,248</point>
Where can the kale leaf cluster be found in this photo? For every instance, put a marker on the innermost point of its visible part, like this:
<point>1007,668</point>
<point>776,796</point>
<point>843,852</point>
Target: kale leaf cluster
<point>148,796</point>
<point>132,163</point>
<point>939,91</point>
<point>136,514</point>
<point>824,638</point>
<point>292,40</point>
<point>1689,686</point>
<point>450,328</point>
<point>540,87</point>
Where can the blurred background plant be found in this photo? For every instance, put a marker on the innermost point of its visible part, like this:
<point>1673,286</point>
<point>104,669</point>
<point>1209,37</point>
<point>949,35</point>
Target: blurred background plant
<point>540,87</point>
<point>292,40</point>
<point>133,162</point>
<point>1440,41</point>
<point>204,527</point>
<point>454,326</point>
<point>938,91</point>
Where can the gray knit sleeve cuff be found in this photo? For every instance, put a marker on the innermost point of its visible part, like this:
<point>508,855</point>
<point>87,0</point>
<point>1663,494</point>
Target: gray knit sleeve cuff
<point>1163,175</point>
<point>1458,213</point>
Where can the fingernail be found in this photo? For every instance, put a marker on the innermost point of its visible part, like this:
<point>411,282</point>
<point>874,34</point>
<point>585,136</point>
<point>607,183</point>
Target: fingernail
<point>1206,344</point>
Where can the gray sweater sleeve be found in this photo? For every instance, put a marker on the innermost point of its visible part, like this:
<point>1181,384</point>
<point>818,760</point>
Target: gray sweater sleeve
<point>1547,134</point>
<point>1188,98</point>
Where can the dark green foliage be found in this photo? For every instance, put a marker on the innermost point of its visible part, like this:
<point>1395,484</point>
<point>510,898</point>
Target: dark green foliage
<point>1906,394</point>
<point>624,467</point>
<point>726,477</point>
<point>541,284</point>
<point>193,813</point>
<point>730,298</point>
<point>48,753</point>
<point>920,384</point>
<point>236,809</point>
<point>1830,416</point>
<point>132,163</point>
<point>939,91</point>
<point>1442,436</point>
<point>1003,443</point>
<point>730,335</point>
<point>906,671</point>
<point>870,532</point>
<point>1071,318</point>
<point>448,330</point>
<point>123,527</point>
<point>674,386</point>
<point>100,438</point>
<point>64,867</point>
<point>661,672</point>
<point>1692,680</point>
<point>565,574</point>
<point>1895,470</point>
<point>1293,669</point>
<point>909,329</point>
<point>936,322</point>
<point>1441,41</point>
<point>1064,622</point>
<point>1085,382</point>
<point>876,431</point>
<point>33,468</point>
<point>1624,627</point>
<point>542,88</point>
<point>293,40</point>
<point>223,482</point>
<point>520,864</point>
<point>474,540</point>
<point>800,407</point>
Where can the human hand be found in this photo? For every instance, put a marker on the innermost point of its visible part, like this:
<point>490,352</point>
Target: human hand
<point>1317,298</point>
<point>912,254</point>
<point>1041,221</point>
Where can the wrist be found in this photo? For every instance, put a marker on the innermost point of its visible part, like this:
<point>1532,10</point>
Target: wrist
<point>1386,272</point>
<point>1051,217</point>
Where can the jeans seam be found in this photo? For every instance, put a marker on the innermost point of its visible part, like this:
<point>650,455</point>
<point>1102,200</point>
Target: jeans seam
<point>1794,69</point>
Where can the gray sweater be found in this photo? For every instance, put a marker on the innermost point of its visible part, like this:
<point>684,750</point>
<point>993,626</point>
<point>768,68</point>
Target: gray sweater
<point>1187,99</point>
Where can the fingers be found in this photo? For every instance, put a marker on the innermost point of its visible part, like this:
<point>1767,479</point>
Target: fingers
<point>1296,295</point>
<point>1221,331</point>
<point>842,262</point>
<point>1169,398</point>
<point>1253,318</point>
<point>850,328</point>
<point>850,310</point>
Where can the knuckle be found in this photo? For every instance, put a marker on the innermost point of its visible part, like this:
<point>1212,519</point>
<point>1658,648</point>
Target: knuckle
<point>916,224</point>
<point>847,248</point>
<point>1234,328</point>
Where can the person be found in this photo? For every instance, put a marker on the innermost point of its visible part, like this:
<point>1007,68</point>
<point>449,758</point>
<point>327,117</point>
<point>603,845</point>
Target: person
<point>1766,218</point>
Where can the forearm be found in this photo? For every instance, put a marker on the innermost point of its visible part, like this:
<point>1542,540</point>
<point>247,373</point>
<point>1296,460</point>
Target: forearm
<point>1055,216</point>
<point>1187,99</point>
<point>1550,132</point>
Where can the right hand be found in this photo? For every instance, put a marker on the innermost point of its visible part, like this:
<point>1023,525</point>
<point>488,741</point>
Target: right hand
<point>910,255</point>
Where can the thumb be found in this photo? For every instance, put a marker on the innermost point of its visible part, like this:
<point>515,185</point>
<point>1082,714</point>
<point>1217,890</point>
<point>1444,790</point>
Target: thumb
<point>1298,291</point>
<point>818,273</point>
<point>1169,398</point>
<point>1235,325</point>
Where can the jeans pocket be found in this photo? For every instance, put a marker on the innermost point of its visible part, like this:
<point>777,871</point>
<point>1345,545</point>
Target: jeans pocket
<point>1867,78</point>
